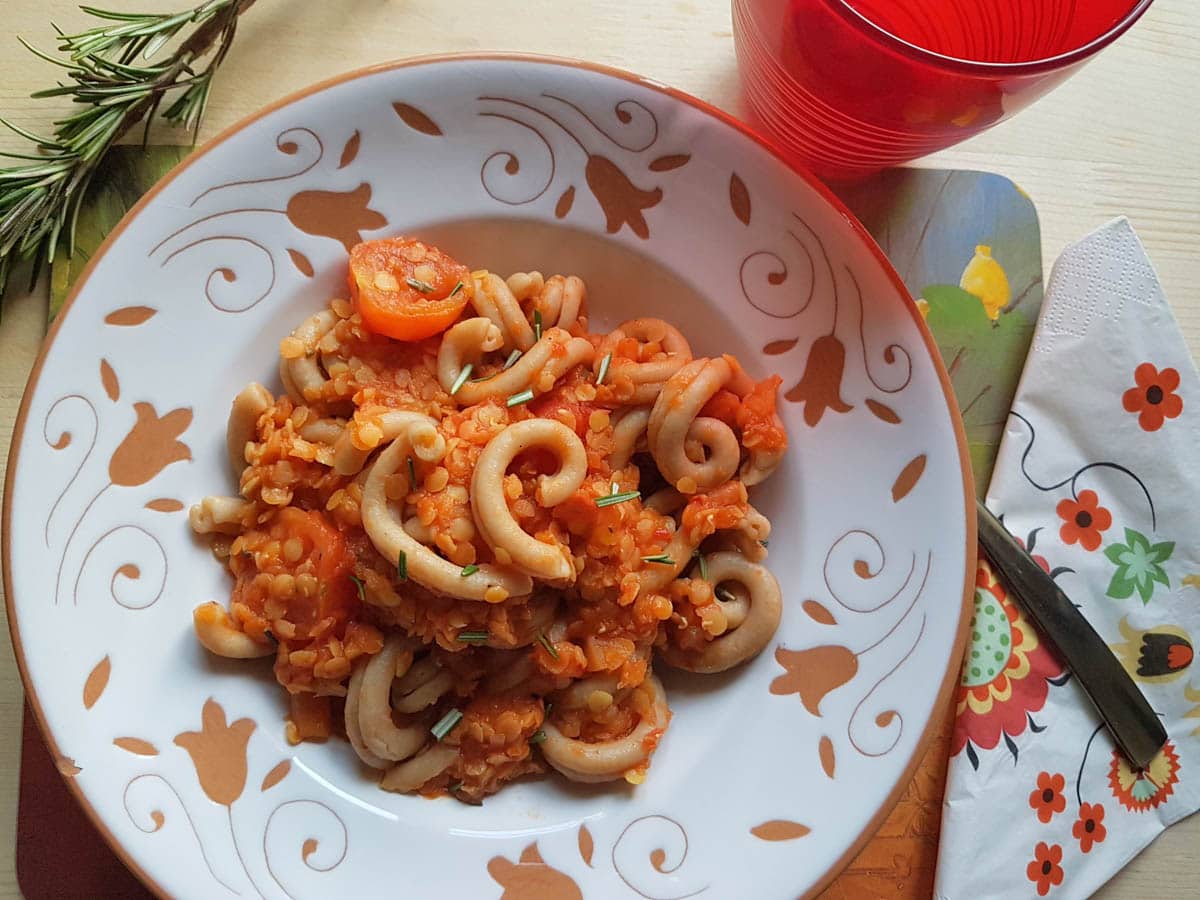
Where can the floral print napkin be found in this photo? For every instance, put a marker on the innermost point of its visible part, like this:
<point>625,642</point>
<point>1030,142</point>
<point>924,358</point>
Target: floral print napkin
<point>1097,475</point>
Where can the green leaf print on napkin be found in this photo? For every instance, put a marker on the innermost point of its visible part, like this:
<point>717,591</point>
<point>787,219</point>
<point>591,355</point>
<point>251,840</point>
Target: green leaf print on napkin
<point>1138,565</point>
<point>979,355</point>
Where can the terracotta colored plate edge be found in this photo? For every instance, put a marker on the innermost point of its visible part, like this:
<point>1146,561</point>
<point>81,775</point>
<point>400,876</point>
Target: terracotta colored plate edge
<point>952,667</point>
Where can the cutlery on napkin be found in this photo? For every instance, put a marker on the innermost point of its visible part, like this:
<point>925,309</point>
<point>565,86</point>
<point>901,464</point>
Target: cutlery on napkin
<point>1095,476</point>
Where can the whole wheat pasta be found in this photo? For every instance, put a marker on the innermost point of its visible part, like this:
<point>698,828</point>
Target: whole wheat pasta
<point>302,373</point>
<point>603,761</point>
<point>751,620</point>
<point>218,633</point>
<point>453,516</point>
<point>647,376</point>
<point>248,405</point>
<point>492,583</point>
<point>496,524</point>
<point>673,418</point>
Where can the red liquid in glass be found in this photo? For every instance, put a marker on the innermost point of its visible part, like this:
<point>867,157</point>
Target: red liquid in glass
<point>848,87</point>
<point>995,31</point>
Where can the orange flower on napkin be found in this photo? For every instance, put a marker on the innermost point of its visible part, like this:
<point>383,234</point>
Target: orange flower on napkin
<point>1154,398</point>
<point>1048,799</point>
<point>1089,828</point>
<point>1084,520</point>
<point>1044,870</point>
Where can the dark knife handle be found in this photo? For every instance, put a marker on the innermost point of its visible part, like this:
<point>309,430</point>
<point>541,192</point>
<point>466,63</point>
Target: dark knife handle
<point>1135,727</point>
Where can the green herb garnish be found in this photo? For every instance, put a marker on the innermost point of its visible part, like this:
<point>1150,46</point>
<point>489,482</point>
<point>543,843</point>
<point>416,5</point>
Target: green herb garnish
<point>517,399</point>
<point>537,324</point>
<point>402,566</point>
<point>537,737</point>
<point>468,570</point>
<point>362,593</point>
<point>512,359</point>
<point>614,499</point>
<point>765,543</point>
<point>474,637</point>
<point>545,642</point>
<point>703,565</point>
<point>412,474</point>
<point>463,375</point>
<point>661,559</point>
<point>458,287</point>
<point>603,368</point>
<point>446,724</point>
<point>458,785</point>
<point>724,594</point>
<point>418,285</point>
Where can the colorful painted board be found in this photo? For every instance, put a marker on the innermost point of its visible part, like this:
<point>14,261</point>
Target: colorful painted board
<point>967,245</point>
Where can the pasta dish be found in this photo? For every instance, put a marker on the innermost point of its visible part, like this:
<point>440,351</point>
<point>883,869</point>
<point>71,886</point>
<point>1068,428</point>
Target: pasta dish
<point>468,528</point>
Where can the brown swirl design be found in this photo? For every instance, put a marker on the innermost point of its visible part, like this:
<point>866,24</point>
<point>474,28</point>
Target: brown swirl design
<point>150,446</point>
<point>340,215</point>
<point>627,862</point>
<point>816,672</point>
<point>129,571</point>
<point>157,819</point>
<point>887,717</point>
<point>218,751</point>
<point>776,273</point>
<point>889,352</point>
<point>286,142</point>
<point>624,117</point>
<point>621,200</point>
<point>62,442</point>
<point>796,300</point>
<point>512,167</point>
<point>228,273</point>
<point>312,851</point>
<point>863,568</point>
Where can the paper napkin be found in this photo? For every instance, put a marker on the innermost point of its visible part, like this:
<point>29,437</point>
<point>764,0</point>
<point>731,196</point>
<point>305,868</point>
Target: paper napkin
<point>1098,474</point>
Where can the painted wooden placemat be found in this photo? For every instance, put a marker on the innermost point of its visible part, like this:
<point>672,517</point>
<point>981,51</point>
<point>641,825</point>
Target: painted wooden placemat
<point>968,247</point>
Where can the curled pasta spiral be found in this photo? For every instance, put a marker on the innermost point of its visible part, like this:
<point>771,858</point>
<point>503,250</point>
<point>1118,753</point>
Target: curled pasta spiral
<point>490,582</point>
<point>675,420</point>
<point>752,616</point>
<point>639,381</point>
<point>486,531</point>
<point>590,762</point>
<point>550,563</point>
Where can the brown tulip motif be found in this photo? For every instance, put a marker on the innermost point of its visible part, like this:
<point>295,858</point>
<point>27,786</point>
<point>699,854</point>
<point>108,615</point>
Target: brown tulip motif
<point>150,446</point>
<point>218,752</point>
<point>621,200</point>
<point>531,879</point>
<point>820,387</point>
<point>340,215</point>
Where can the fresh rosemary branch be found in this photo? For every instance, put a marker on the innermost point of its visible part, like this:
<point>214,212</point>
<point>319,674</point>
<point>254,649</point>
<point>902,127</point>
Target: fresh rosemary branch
<point>118,75</point>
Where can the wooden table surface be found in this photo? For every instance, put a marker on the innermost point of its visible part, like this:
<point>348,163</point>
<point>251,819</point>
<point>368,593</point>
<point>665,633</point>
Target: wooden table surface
<point>1122,137</point>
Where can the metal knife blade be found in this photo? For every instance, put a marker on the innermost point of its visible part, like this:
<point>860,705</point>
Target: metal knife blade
<point>1135,727</point>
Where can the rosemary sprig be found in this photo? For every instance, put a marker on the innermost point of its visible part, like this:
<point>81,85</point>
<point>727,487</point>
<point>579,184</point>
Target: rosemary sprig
<point>118,75</point>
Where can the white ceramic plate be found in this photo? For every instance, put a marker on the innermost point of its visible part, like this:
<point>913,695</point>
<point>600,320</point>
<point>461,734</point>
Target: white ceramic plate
<point>770,776</point>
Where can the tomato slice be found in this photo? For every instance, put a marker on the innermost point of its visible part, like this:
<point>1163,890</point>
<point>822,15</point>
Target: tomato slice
<point>406,289</point>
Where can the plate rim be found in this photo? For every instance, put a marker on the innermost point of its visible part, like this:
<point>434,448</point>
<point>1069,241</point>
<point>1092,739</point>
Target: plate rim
<point>950,676</point>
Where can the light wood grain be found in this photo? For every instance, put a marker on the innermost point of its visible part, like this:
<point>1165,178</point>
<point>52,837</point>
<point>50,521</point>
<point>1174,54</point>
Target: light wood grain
<point>1122,137</point>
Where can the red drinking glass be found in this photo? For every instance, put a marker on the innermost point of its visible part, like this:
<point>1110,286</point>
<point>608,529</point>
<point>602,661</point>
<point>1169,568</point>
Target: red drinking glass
<point>848,87</point>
